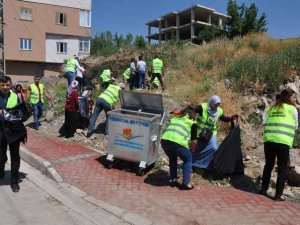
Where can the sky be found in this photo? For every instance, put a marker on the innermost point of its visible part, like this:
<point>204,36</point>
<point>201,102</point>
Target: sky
<point>131,16</point>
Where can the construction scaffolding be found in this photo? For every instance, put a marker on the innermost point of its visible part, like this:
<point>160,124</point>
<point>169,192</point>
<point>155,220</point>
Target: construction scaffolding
<point>2,59</point>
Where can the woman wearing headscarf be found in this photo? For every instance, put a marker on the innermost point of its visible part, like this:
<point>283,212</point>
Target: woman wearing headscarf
<point>71,109</point>
<point>208,115</point>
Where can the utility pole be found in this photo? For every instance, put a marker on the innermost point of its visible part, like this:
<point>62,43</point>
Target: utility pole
<point>2,59</point>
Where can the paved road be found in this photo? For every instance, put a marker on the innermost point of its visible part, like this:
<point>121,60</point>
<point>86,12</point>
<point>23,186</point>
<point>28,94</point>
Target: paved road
<point>43,201</point>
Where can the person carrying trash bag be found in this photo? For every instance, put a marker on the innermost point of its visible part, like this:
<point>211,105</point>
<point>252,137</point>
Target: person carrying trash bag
<point>280,124</point>
<point>228,159</point>
<point>178,140</point>
<point>207,119</point>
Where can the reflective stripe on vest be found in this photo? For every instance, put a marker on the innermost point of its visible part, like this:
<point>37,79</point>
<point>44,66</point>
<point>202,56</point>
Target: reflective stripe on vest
<point>111,94</point>
<point>205,121</point>
<point>157,65</point>
<point>71,65</point>
<point>34,93</point>
<point>280,125</point>
<point>155,81</point>
<point>126,74</point>
<point>12,101</point>
<point>105,76</point>
<point>179,130</point>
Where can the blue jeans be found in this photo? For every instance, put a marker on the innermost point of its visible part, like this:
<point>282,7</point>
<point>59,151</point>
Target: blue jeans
<point>100,105</point>
<point>37,113</point>
<point>70,77</point>
<point>142,82</point>
<point>204,153</point>
<point>174,150</point>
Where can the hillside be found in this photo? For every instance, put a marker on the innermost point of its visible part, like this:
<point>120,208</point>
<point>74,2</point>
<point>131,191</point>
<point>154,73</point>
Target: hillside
<point>245,72</point>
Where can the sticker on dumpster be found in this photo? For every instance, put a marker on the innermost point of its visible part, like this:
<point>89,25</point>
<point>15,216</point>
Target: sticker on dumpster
<point>128,132</point>
<point>125,139</point>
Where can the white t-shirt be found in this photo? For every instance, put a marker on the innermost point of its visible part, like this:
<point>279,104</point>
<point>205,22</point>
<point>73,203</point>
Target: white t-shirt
<point>141,65</point>
<point>132,67</point>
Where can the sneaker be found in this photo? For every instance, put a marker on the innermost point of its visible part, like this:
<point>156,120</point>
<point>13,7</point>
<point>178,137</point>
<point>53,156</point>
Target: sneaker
<point>280,198</point>
<point>15,187</point>
<point>186,186</point>
<point>87,133</point>
<point>174,183</point>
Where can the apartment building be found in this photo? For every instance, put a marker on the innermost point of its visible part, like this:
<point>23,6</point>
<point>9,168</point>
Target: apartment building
<point>39,35</point>
<point>184,25</point>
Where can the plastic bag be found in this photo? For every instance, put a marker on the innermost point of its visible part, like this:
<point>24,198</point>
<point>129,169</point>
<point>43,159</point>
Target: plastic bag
<point>228,158</point>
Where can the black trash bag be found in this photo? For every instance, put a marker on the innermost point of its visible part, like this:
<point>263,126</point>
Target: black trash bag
<point>228,159</point>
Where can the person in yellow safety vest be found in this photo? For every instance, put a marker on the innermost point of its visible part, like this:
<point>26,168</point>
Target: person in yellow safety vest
<point>12,132</point>
<point>179,140</point>
<point>106,101</point>
<point>157,70</point>
<point>105,78</point>
<point>36,92</point>
<point>126,76</point>
<point>280,124</point>
<point>72,66</point>
<point>207,119</point>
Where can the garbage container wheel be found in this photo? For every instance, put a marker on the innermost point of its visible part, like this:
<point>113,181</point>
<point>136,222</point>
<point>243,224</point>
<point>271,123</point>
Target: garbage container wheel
<point>110,165</point>
<point>141,171</point>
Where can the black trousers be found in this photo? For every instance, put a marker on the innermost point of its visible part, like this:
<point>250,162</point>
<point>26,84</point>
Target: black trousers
<point>159,77</point>
<point>133,83</point>
<point>14,157</point>
<point>281,152</point>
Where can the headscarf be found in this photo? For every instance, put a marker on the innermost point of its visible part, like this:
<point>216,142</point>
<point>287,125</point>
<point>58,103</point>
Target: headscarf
<point>212,101</point>
<point>72,86</point>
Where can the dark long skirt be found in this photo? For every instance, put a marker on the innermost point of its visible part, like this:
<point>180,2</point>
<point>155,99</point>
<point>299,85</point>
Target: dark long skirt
<point>70,123</point>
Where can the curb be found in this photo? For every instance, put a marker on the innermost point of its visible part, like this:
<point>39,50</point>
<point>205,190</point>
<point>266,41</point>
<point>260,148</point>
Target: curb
<point>40,164</point>
<point>46,168</point>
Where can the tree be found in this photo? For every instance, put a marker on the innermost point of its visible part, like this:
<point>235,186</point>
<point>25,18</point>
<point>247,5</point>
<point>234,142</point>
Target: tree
<point>209,33</point>
<point>244,20</point>
<point>128,39</point>
<point>140,42</point>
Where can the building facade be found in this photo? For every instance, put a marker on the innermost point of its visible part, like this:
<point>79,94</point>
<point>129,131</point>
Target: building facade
<point>184,25</point>
<point>39,35</point>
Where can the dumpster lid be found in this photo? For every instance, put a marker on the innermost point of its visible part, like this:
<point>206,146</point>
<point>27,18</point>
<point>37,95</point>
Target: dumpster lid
<point>146,102</point>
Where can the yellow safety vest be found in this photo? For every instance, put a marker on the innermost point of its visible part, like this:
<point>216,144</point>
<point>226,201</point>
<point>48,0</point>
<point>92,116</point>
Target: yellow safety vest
<point>127,74</point>
<point>179,130</point>
<point>111,94</point>
<point>71,65</point>
<point>34,93</point>
<point>157,65</point>
<point>280,125</point>
<point>12,101</point>
<point>204,121</point>
<point>105,76</point>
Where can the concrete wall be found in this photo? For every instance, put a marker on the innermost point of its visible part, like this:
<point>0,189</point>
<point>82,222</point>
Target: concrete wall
<point>43,21</point>
<point>80,4</point>
<point>52,39</point>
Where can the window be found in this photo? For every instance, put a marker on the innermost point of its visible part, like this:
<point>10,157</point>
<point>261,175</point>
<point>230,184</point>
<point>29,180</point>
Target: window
<point>84,46</point>
<point>85,18</point>
<point>61,18</point>
<point>61,47</point>
<point>25,14</point>
<point>25,44</point>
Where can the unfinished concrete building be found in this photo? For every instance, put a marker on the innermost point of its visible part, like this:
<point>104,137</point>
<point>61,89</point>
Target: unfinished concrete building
<point>184,25</point>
